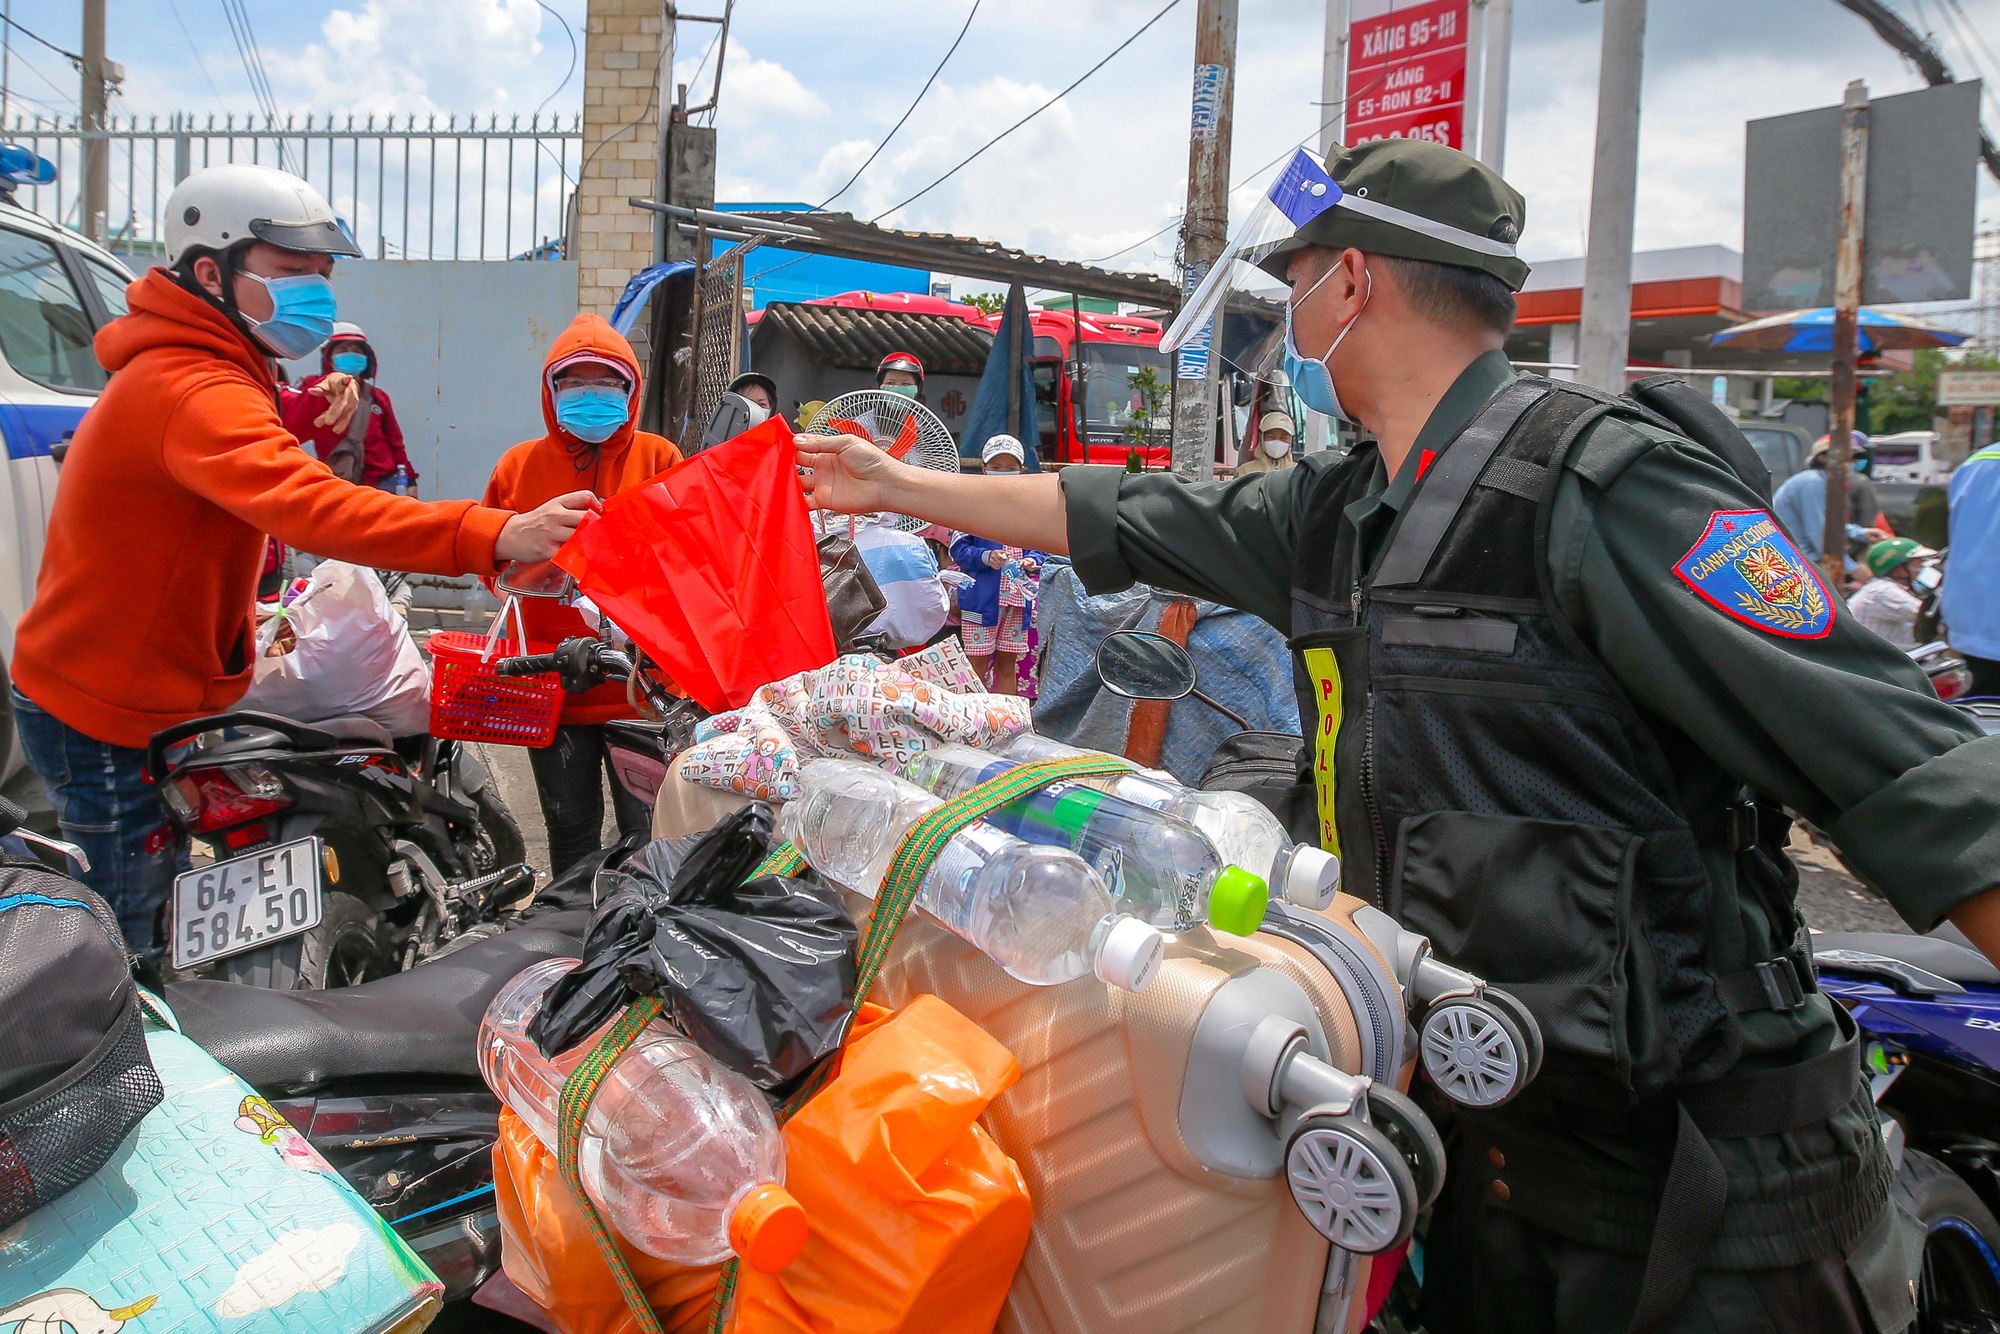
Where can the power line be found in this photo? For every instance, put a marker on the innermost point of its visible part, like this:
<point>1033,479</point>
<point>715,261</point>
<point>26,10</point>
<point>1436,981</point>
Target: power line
<point>71,56</point>
<point>1031,115</point>
<point>966,27</point>
<point>193,50</point>
<point>571,34</point>
<point>245,38</point>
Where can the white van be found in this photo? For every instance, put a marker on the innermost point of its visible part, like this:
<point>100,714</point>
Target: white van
<point>1907,456</point>
<point>56,291</point>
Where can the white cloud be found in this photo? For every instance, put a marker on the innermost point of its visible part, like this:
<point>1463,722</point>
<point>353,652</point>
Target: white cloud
<point>415,56</point>
<point>306,1260</point>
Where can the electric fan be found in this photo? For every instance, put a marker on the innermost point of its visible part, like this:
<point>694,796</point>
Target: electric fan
<point>902,427</point>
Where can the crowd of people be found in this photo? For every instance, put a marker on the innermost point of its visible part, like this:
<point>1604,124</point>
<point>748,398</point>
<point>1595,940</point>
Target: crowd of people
<point>1571,667</point>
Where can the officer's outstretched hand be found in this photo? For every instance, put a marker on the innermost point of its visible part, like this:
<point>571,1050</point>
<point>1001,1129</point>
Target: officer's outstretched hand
<point>537,534</point>
<point>846,473</point>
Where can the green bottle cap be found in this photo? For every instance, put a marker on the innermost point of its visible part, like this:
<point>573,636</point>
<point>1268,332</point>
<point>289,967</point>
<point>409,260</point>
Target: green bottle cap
<point>1237,902</point>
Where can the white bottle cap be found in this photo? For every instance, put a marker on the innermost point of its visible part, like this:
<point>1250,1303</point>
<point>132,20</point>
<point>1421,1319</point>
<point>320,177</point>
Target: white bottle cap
<point>1131,954</point>
<point>1312,877</point>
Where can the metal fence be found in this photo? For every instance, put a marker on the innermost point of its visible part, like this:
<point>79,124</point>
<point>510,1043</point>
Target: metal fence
<point>407,190</point>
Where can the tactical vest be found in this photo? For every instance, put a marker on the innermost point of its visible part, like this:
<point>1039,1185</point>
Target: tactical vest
<point>1487,782</point>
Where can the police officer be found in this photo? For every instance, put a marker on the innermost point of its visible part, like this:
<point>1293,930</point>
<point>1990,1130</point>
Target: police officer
<point>1564,672</point>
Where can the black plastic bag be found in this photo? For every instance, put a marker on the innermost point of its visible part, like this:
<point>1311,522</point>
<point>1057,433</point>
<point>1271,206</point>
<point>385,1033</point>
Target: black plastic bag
<point>760,974</point>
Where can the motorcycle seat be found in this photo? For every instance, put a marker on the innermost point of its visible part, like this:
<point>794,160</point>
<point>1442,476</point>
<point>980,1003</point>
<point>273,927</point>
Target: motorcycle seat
<point>423,1022</point>
<point>1944,953</point>
<point>350,730</point>
<point>355,730</point>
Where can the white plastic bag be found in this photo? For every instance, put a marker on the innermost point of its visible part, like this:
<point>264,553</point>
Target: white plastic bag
<point>354,655</point>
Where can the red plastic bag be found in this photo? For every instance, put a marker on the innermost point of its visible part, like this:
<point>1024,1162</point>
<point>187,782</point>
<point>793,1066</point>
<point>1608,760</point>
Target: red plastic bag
<point>712,569</point>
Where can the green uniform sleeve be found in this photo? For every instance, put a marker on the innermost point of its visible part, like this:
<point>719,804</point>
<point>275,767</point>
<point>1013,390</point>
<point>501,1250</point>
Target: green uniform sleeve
<point>1842,729</point>
<point>1227,542</point>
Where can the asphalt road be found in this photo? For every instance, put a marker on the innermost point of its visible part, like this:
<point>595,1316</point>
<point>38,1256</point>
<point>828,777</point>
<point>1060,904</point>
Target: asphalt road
<point>1831,899</point>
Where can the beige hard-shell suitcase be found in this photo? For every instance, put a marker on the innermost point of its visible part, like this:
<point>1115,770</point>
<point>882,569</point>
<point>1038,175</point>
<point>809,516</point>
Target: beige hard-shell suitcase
<point>1175,1140</point>
<point>1134,1232</point>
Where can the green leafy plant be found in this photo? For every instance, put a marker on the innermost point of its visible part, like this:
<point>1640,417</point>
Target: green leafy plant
<point>1144,382</point>
<point>993,303</point>
<point>1907,400</point>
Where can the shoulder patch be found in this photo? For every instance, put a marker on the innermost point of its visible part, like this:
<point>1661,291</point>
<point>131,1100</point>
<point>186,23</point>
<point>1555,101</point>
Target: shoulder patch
<point>1744,566</point>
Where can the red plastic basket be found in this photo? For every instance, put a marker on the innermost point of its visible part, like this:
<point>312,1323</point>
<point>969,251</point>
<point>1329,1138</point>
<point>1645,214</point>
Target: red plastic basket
<point>470,702</point>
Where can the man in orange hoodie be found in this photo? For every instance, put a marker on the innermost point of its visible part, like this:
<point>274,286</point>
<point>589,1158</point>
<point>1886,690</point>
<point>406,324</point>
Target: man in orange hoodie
<point>142,616</point>
<point>590,394</point>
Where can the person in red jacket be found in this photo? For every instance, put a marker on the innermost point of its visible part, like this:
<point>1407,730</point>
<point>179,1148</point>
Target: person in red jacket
<point>590,395</point>
<point>363,445</point>
<point>142,617</point>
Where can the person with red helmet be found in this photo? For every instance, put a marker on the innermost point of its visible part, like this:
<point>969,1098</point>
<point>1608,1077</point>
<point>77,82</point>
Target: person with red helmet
<point>364,446</point>
<point>901,373</point>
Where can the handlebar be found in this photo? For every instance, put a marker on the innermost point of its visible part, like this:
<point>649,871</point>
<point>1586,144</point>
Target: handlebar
<point>532,664</point>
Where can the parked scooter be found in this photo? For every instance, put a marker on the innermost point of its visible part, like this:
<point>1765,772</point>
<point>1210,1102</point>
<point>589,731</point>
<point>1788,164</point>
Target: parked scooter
<point>339,854</point>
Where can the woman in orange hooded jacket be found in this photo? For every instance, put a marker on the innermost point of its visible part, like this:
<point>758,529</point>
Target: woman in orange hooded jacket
<point>590,394</point>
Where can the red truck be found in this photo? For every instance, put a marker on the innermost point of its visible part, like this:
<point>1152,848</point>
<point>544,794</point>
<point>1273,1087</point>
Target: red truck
<point>1098,407</point>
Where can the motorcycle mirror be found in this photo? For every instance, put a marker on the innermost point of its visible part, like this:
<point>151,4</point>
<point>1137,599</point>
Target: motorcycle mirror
<point>537,579</point>
<point>732,417</point>
<point>1139,664</point>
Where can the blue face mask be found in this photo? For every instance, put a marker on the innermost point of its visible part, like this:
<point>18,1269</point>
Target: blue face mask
<point>1310,378</point>
<point>302,314</point>
<point>906,390</point>
<point>351,363</point>
<point>592,413</point>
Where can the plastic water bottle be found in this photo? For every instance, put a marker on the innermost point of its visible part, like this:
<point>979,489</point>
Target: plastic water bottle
<point>1159,867</point>
<point>400,484</point>
<point>680,1153</point>
<point>1243,830</point>
<point>1038,912</point>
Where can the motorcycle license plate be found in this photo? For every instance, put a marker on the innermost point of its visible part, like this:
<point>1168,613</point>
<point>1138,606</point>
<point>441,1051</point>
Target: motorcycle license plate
<point>245,902</point>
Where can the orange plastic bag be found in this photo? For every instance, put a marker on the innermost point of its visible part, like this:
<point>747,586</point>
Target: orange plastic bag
<point>712,568</point>
<point>547,1250</point>
<point>918,1219</point>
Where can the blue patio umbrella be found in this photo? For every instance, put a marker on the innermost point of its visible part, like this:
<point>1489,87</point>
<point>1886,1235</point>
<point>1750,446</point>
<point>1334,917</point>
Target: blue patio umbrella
<point>1812,331</point>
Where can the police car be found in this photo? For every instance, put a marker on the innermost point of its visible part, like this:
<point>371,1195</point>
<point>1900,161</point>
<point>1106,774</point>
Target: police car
<point>56,291</point>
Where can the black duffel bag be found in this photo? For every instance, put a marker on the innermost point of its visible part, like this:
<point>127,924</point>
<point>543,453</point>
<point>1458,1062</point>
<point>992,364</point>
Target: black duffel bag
<point>1270,767</point>
<point>75,1076</point>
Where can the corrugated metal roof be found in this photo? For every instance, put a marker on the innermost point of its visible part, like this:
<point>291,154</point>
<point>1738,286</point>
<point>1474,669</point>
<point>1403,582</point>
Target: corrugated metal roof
<point>857,338</point>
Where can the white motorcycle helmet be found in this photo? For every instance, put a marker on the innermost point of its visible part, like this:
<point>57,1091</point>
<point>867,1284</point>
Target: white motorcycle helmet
<point>219,207</point>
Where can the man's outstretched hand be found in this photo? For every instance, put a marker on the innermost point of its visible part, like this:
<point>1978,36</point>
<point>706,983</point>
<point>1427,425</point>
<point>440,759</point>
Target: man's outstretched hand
<point>848,475</point>
<point>342,398</point>
<point>537,534</point>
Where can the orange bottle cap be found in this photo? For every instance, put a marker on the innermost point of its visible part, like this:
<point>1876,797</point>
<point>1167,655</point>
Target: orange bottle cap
<point>768,1228</point>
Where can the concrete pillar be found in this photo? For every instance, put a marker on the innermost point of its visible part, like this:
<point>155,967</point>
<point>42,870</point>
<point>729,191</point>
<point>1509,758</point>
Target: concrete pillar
<point>627,54</point>
<point>1562,350</point>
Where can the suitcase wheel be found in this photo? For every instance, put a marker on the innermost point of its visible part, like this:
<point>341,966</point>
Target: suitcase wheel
<point>1406,1126</point>
<point>1351,1182</point>
<point>1474,1051</point>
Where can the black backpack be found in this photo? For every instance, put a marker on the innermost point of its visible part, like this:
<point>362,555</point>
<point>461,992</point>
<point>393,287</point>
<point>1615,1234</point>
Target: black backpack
<point>75,1076</point>
<point>1684,409</point>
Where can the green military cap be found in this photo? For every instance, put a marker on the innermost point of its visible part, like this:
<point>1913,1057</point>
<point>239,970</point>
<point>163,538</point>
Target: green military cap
<point>1417,200</point>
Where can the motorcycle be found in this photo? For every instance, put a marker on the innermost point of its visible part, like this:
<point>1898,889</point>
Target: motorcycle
<point>339,854</point>
<point>1929,1012</point>
<point>639,749</point>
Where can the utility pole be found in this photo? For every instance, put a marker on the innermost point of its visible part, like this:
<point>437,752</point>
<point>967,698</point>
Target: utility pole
<point>6,60</point>
<point>1204,232</point>
<point>97,151</point>
<point>1493,100</point>
<point>1606,332</point>
<point>1333,79</point>
<point>1846,329</point>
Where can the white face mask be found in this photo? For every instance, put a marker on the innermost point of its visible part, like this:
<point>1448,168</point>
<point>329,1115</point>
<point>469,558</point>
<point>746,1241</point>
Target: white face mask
<point>1276,446</point>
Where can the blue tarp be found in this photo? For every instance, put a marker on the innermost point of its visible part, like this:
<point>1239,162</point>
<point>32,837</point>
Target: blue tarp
<point>633,299</point>
<point>988,417</point>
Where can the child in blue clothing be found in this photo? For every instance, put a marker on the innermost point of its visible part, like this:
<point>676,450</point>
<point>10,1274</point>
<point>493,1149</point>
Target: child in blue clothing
<point>998,607</point>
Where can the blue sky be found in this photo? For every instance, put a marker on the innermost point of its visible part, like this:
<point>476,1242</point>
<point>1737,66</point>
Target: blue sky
<point>811,85</point>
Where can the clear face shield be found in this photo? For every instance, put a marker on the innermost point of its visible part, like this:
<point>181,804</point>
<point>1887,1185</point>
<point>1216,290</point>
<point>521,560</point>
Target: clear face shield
<point>1301,192</point>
